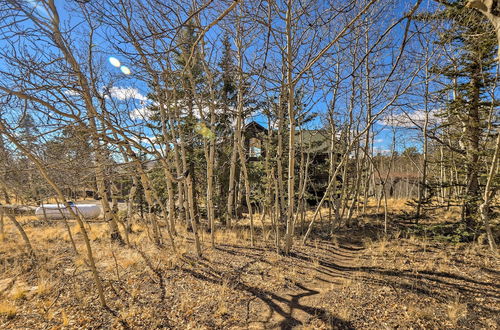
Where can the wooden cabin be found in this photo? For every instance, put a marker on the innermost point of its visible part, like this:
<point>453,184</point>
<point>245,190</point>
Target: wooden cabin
<point>314,145</point>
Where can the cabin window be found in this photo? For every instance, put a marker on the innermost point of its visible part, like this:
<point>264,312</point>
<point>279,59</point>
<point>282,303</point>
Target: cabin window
<point>255,147</point>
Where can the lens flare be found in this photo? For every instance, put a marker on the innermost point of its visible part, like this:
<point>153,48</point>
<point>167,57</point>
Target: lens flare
<point>125,69</point>
<point>204,131</point>
<point>114,62</point>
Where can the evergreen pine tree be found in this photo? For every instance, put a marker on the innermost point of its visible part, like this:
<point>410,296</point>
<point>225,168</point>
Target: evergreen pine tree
<point>470,75</point>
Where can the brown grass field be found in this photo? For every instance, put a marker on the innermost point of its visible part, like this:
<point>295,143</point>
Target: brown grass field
<point>356,278</point>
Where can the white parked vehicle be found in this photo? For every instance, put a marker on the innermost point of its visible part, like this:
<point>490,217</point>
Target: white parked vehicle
<point>60,212</point>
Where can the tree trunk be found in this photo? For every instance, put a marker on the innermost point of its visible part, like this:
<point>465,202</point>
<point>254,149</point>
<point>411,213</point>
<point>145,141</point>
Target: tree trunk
<point>291,136</point>
<point>423,183</point>
<point>22,232</point>
<point>239,123</point>
<point>489,195</point>
<point>77,216</point>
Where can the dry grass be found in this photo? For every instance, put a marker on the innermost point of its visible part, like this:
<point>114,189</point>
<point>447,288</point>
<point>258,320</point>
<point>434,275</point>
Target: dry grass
<point>398,280</point>
<point>7,310</point>
<point>18,293</point>
<point>456,312</point>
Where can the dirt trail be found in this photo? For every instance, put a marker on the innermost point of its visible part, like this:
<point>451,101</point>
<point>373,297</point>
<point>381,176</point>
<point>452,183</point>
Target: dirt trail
<point>300,306</point>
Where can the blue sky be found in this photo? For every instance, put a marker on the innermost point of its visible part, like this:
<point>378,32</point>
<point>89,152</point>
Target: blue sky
<point>132,91</point>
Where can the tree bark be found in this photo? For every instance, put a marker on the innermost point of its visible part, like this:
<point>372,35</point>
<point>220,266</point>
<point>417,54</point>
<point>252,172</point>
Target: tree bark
<point>291,122</point>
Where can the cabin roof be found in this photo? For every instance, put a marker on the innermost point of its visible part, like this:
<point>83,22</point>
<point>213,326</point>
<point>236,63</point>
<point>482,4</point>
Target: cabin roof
<point>314,141</point>
<point>255,127</point>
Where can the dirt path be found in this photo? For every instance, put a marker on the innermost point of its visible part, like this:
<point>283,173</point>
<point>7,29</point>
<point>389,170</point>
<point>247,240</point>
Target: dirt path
<point>300,306</point>
<point>398,284</point>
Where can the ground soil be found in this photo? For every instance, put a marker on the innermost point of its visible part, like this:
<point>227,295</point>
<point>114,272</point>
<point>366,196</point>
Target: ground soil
<point>356,278</point>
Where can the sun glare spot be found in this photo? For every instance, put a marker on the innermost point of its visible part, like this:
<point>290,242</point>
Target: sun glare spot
<point>125,69</point>
<point>204,131</point>
<point>114,62</point>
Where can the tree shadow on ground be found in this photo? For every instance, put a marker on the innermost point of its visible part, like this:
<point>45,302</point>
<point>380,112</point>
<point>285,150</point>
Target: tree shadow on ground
<point>336,261</point>
<point>277,304</point>
<point>329,259</point>
<point>443,286</point>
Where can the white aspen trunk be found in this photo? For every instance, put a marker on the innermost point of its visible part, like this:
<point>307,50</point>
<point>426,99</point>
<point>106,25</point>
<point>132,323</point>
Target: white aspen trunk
<point>21,231</point>
<point>489,195</point>
<point>442,175</point>
<point>167,168</point>
<point>356,186</point>
<point>423,183</point>
<point>210,181</point>
<point>302,177</point>
<point>193,216</point>
<point>239,123</point>
<point>232,178</point>
<point>130,202</point>
<point>277,212</point>
<point>279,162</point>
<point>181,197</point>
<point>92,114</point>
<point>291,136</point>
